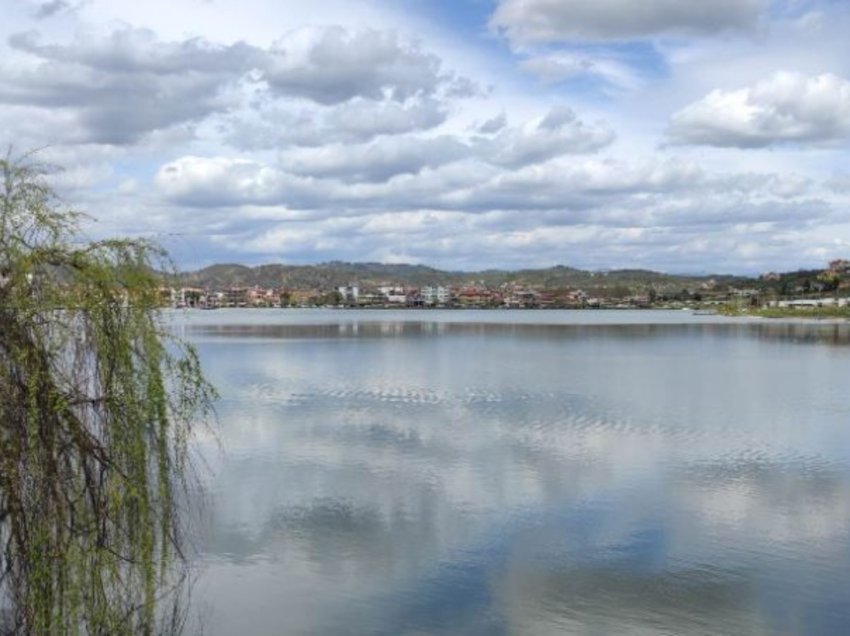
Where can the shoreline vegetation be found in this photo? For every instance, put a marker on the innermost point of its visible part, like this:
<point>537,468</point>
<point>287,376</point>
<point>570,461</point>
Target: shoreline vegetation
<point>810,313</point>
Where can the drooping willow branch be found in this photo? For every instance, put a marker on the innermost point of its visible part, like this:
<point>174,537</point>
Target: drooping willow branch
<point>97,404</point>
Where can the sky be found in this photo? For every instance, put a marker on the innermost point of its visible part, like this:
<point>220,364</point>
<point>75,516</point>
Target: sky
<point>688,136</point>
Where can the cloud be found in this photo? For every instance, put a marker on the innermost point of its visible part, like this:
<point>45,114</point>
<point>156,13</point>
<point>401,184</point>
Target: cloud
<point>670,213</point>
<point>332,65</point>
<point>119,87</point>
<point>784,108</point>
<point>223,181</point>
<point>839,183</point>
<point>129,50</point>
<point>587,190</point>
<point>53,7</point>
<point>557,67</point>
<point>377,161</point>
<point>539,21</point>
<point>359,143</point>
<point>275,124</point>
<point>493,125</point>
<point>572,189</point>
<point>558,133</point>
<point>462,240</point>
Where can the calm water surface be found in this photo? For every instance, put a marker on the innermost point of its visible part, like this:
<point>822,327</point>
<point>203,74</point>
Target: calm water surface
<point>522,472</point>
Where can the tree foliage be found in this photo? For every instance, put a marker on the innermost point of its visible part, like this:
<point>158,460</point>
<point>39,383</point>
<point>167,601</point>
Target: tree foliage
<point>831,280</point>
<point>97,404</point>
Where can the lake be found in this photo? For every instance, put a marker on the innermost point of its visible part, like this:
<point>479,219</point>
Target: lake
<point>523,472</point>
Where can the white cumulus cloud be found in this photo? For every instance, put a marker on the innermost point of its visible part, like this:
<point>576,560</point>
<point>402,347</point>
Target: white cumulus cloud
<point>120,86</point>
<point>330,65</point>
<point>784,108</point>
<point>559,132</point>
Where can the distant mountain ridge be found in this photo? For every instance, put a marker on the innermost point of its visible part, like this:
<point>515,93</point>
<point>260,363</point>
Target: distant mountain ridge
<point>336,273</point>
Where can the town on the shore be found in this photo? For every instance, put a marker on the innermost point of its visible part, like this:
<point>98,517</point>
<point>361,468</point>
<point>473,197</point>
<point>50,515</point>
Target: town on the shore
<point>828,288</point>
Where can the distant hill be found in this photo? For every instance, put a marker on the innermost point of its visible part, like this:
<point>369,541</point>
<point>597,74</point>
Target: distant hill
<point>335,273</point>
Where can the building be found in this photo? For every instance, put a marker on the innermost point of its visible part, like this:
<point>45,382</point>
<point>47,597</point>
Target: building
<point>840,266</point>
<point>304,297</point>
<point>393,295</point>
<point>349,293</point>
<point>235,297</point>
<point>438,295</point>
<point>191,297</point>
<point>476,296</point>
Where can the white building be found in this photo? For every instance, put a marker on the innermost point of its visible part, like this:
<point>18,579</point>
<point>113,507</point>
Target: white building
<point>393,295</point>
<point>349,293</point>
<point>436,295</point>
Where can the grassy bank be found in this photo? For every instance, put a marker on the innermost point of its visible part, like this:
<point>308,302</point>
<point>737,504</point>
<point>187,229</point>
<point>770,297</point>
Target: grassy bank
<point>788,312</point>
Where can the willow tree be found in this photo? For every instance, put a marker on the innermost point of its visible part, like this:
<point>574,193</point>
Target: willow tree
<point>97,404</point>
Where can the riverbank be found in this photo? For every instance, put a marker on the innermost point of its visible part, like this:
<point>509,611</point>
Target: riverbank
<point>815,313</point>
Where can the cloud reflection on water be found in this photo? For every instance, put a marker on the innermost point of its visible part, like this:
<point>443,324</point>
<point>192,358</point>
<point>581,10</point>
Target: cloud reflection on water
<point>688,479</point>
